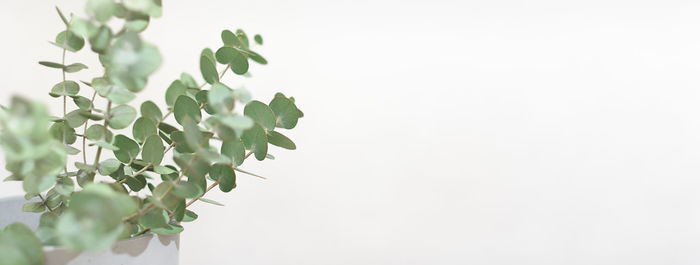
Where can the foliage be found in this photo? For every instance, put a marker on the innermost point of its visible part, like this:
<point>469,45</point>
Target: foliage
<point>94,202</point>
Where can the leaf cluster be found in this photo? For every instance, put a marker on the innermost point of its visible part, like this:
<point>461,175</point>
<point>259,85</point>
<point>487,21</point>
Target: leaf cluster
<point>129,188</point>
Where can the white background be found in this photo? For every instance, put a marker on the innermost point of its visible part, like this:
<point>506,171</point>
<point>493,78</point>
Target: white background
<point>438,132</point>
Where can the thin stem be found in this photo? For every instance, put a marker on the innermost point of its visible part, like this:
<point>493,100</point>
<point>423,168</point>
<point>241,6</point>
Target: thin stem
<point>246,172</point>
<point>225,70</point>
<point>85,129</point>
<point>99,148</point>
<point>43,201</point>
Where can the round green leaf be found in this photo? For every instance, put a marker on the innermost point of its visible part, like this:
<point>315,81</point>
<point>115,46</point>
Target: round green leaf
<point>226,175</point>
<point>65,186</point>
<point>208,67</point>
<point>258,39</point>
<point>150,110</point>
<point>280,140</point>
<point>65,88</point>
<point>82,102</point>
<point>19,245</point>
<point>220,97</point>
<point>235,150</point>
<point>256,139</point>
<point>76,118</point>
<point>186,189</point>
<point>58,130</point>
<point>261,113</point>
<point>153,150</point>
<point>188,80</point>
<point>128,149</point>
<point>108,166</point>
<point>286,112</point>
<point>121,116</point>
<point>69,41</point>
<point>175,89</point>
<point>100,41</point>
<point>95,132</point>
<point>154,218</point>
<point>143,127</point>
<point>186,106</point>
<point>114,93</point>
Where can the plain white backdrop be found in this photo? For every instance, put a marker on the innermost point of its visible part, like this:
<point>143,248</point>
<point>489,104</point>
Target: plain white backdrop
<point>437,132</point>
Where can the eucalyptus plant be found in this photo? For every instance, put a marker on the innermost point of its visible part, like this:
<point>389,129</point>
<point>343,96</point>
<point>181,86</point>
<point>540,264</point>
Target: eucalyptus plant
<point>208,128</point>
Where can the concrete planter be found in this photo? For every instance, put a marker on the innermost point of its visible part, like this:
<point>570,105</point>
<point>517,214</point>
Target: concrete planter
<point>147,249</point>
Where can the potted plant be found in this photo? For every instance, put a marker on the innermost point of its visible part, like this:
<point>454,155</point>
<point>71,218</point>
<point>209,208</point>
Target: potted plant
<point>126,204</point>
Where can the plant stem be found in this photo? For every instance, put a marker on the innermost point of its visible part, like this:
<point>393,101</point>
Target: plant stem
<point>99,148</point>
<point>85,128</point>
<point>43,201</point>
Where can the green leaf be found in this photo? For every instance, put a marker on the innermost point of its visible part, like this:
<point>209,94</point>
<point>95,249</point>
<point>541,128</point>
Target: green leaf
<point>93,220</point>
<point>189,216</point>
<point>188,80</point>
<point>243,38</point>
<point>131,61</point>
<point>95,132</point>
<point>208,67</point>
<point>225,175</point>
<point>150,110</point>
<point>52,64</point>
<point>163,170</point>
<point>175,89</point>
<point>128,149</point>
<point>237,60</point>
<point>69,41</point>
<point>186,106</point>
<point>150,7</point>
<point>76,118</point>
<point>280,140</point>
<point>72,68</point>
<point>136,183</point>
<point>85,177</point>
<point>211,201</point>
<point>154,218</point>
<point>258,39</point>
<point>65,88</point>
<point>256,139</point>
<point>33,207</point>
<point>153,150</point>
<point>286,112</point>
<point>99,42</point>
<point>121,116</point>
<point>71,150</point>
<point>106,145</point>
<point>19,246</point>
<point>235,150</point>
<point>108,166</point>
<point>58,129</point>
<point>65,186</point>
<point>101,10</point>
<point>261,113</point>
<point>257,57</point>
<point>169,229</point>
<point>193,136</point>
<point>143,127</point>
<point>114,93</point>
<point>82,102</point>
<point>220,97</point>
<point>186,189</point>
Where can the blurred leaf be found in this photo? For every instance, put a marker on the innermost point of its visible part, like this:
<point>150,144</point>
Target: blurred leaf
<point>188,80</point>
<point>256,139</point>
<point>114,93</point>
<point>258,39</point>
<point>211,201</point>
<point>19,246</point>
<point>99,42</point>
<point>169,229</point>
<point>34,207</point>
<point>186,189</point>
<point>95,132</point>
<point>101,10</point>
<point>76,118</point>
<point>65,186</point>
<point>154,218</point>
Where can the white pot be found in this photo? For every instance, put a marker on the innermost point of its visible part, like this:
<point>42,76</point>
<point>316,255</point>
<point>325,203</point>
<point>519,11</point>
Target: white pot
<point>147,249</point>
